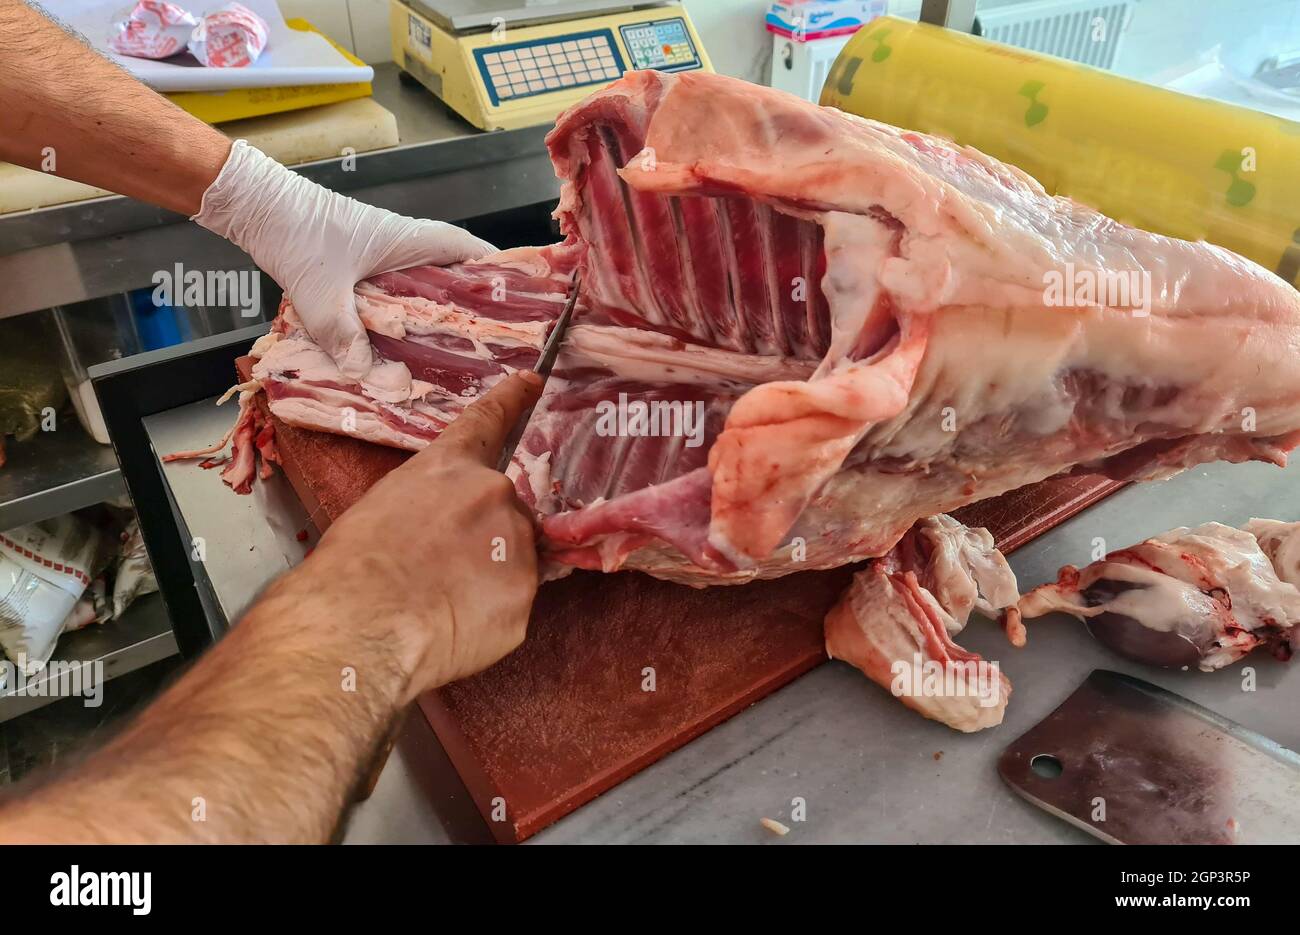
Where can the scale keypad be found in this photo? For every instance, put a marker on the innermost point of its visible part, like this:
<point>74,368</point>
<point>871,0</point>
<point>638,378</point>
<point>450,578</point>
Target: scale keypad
<point>519,71</point>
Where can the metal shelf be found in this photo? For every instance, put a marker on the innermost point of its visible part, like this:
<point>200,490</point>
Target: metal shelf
<point>142,636</point>
<point>55,473</point>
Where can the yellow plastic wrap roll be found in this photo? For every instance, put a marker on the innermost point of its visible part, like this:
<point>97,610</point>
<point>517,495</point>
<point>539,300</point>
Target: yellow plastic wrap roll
<point>1152,158</point>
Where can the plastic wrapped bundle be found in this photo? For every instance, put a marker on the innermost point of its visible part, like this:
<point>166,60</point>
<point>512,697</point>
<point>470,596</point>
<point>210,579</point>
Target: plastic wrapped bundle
<point>231,37</point>
<point>153,29</point>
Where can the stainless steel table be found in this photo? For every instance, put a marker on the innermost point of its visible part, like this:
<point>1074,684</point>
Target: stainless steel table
<point>868,768</point>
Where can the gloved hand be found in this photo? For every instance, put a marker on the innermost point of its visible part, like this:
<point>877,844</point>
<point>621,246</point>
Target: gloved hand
<point>318,244</point>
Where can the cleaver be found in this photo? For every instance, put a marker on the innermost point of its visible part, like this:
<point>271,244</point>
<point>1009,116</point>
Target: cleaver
<point>1133,763</point>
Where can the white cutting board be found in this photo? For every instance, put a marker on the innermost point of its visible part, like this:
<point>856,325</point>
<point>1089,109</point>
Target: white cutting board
<point>290,58</point>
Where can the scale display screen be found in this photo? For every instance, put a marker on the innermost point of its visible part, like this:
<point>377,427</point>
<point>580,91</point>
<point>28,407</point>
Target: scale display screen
<point>664,45</point>
<point>525,69</point>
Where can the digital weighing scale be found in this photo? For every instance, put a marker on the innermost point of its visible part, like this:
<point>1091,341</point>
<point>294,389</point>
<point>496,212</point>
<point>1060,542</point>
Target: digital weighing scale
<point>504,65</point>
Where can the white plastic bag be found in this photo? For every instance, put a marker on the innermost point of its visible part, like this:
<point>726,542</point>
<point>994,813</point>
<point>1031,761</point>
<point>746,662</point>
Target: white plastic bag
<point>44,570</point>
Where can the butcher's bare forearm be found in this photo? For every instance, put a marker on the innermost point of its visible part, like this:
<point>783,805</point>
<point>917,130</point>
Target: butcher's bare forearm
<point>267,738</point>
<point>67,110</point>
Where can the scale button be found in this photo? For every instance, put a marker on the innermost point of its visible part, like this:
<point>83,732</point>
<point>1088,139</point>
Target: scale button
<point>607,61</point>
<point>564,69</point>
<point>587,43</point>
<point>559,59</point>
<point>590,54</point>
<point>507,56</point>
<point>536,86</point>
<point>552,83</point>
<point>505,92</point>
<point>566,80</point>
<point>531,74</point>
<point>514,67</point>
<point>525,55</point>
<point>555,48</point>
<point>492,57</point>
<point>543,59</point>
<point>496,68</point>
<point>570,46</point>
<point>548,72</point>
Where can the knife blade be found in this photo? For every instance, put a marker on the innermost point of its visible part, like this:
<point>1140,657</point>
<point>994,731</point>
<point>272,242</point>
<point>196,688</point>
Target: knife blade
<point>1132,763</point>
<point>543,367</point>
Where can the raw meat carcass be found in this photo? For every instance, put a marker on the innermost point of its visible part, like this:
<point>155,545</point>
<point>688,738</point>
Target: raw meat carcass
<point>845,326</point>
<point>443,335</point>
<point>1199,597</point>
<point>897,619</point>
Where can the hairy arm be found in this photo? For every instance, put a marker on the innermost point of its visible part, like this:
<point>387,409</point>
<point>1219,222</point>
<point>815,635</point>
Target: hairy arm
<point>270,735</point>
<point>260,741</point>
<point>61,99</point>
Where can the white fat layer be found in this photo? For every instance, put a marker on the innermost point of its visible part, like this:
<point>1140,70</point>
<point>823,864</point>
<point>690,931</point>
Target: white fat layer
<point>856,249</point>
<point>656,358</point>
<point>1281,543</point>
<point>307,412</point>
<point>966,571</point>
<point>389,381</point>
<point>1233,559</point>
<point>263,344</point>
<point>537,468</point>
<point>297,355</point>
<point>400,316</point>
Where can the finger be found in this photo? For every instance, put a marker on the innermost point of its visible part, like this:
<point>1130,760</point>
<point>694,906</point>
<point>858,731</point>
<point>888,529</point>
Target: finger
<point>455,244</point>
<point>425,242</point>
<point>481,429</point>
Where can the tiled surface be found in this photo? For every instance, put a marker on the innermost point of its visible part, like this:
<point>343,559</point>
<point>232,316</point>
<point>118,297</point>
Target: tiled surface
<point>42,738</point>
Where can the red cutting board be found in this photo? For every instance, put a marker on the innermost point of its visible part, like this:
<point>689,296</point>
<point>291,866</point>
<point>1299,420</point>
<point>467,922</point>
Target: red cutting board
<point>565,717</point>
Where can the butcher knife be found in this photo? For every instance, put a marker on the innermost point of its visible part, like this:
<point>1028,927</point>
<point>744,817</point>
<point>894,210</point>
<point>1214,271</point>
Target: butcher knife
<point>550,351</point>
<point>1133,763</point>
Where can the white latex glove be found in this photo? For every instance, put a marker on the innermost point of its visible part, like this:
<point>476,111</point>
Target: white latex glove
<point>318,244</point>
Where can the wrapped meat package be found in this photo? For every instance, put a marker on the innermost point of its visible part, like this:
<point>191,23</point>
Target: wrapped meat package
<point>231,37</point>
<point>153,29</point>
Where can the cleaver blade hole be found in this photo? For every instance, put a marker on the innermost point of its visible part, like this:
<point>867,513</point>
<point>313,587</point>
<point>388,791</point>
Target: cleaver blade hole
<point>1046,766</point>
